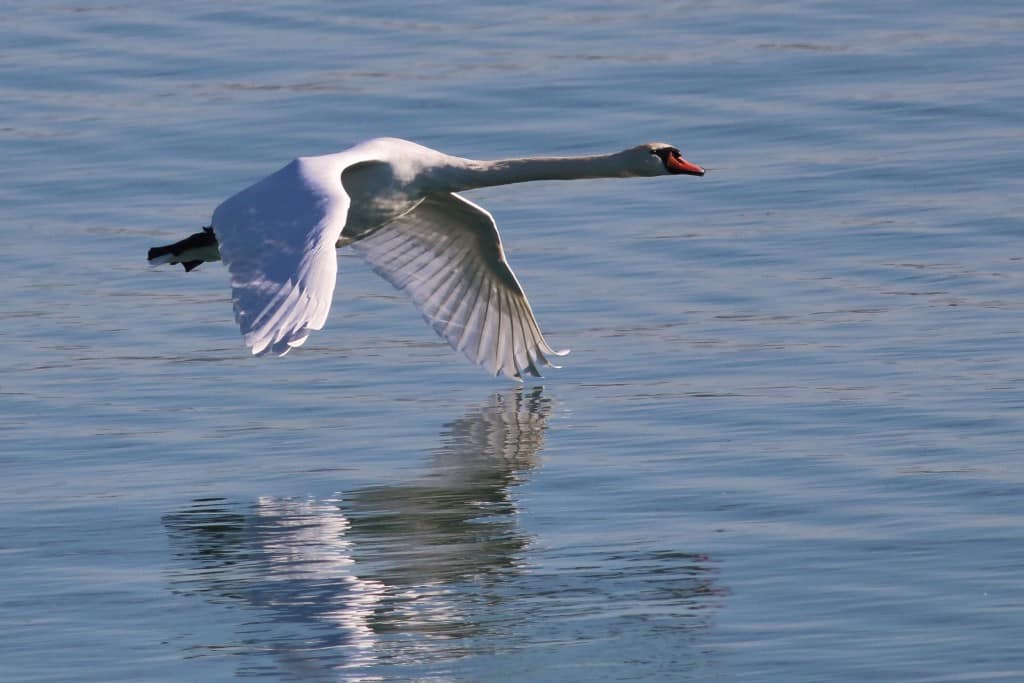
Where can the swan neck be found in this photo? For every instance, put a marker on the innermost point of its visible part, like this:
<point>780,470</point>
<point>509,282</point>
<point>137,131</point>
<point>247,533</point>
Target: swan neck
<point>470,174</point>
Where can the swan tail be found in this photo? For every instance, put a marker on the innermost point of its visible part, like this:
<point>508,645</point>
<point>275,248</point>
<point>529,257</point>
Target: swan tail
<point>189,252</point>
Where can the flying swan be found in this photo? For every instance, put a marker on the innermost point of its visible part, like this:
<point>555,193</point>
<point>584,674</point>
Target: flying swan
<point>395,203</point>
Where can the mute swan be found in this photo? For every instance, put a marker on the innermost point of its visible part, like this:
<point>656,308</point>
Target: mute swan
<point>394,202</point>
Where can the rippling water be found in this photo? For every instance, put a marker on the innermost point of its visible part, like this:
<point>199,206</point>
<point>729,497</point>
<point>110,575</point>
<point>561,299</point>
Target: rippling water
<point>438,569</point>
<point>786,445</point>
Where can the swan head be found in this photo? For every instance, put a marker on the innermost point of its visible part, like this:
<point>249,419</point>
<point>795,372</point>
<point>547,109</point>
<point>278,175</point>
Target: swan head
<point>658,158</point>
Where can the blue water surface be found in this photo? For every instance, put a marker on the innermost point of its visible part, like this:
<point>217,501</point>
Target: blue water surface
<point>786,446</point>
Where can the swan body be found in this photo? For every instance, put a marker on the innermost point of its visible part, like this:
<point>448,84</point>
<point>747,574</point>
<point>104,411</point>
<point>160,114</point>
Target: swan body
<point>396,204</point>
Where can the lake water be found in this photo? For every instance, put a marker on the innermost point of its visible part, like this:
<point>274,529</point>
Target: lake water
<point>787,445</point>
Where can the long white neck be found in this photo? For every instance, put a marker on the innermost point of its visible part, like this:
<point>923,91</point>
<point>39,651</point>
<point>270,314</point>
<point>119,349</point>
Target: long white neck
<point>467,174</point>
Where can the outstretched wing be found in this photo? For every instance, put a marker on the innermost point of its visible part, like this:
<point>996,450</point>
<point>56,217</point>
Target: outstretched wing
<point>277,238</point>
<point>447,256</point>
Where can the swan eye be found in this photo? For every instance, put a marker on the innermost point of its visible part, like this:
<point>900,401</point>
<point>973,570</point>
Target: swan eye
<point>664,153</point>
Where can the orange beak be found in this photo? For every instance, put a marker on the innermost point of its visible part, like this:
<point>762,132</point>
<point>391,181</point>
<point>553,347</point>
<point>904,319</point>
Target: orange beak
<point>677,164</point>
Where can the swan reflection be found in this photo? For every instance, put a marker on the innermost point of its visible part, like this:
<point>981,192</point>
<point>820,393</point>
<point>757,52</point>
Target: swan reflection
<point>411,562</point>
<point>411,582</point>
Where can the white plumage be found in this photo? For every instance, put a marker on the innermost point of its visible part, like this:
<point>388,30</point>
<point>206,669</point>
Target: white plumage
<point>394,202</point>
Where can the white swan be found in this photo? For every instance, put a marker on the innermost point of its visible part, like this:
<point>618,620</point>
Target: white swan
<point>394,202</point>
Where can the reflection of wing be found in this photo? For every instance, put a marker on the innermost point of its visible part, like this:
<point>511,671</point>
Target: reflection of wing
<point>290,556</point>
<point>503,436</point>
<point>277,238</point>
<point>447,256</point>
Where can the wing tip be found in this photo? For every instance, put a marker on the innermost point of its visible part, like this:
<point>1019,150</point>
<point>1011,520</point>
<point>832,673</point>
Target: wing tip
<point>278,347</point>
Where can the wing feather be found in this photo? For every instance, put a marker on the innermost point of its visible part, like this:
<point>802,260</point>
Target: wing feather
<point>500,353</point>
<point>449,293</point>
<point>447,256</point>
<point>471,331</point>
<point>524,357</point>
<point>488,329</point>
<point>277,238</point>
